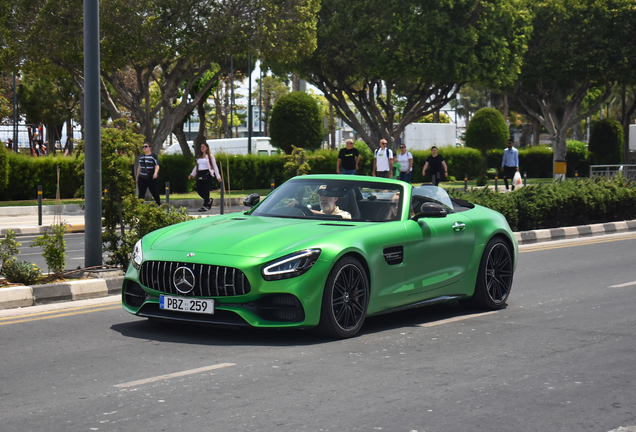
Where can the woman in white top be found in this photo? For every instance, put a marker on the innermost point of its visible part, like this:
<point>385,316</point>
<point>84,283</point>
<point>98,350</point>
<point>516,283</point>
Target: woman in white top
<point>203,170</point>
<point>405,159</point>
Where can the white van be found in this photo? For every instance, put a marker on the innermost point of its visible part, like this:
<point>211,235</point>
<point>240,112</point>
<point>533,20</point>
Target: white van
<point>260,146</point>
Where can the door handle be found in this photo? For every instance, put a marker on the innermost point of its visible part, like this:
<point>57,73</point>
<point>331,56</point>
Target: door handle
<point>459,226</point>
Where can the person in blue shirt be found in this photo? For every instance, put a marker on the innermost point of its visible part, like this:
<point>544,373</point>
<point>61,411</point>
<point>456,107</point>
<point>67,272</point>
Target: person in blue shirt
<point>510,164</point>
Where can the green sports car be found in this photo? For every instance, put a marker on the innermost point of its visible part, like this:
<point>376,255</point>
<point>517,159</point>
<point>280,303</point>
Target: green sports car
<point>324,252</point>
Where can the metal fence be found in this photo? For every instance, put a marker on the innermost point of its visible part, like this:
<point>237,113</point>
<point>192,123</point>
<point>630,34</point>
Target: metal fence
<point>609,171</point>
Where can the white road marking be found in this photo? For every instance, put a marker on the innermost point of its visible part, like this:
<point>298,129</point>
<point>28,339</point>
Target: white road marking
<point>173,375</point>
<point>623,285</point>
<point>461,318</point>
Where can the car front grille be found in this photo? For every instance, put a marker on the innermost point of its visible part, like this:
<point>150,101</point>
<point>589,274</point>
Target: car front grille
<point>209,280</point>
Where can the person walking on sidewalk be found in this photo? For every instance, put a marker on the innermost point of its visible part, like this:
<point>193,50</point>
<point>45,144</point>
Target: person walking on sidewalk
<point>147,173</point>
<point>405,159</point>
<point>510,164</point>
<point>383,161</point>
<point>204,169</point>
<point>348,159</point>
<point>438,166</point>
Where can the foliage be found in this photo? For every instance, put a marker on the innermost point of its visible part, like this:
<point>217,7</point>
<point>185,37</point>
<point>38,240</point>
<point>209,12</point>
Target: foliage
<point>163,43</point>
<point>589,40</point>
<point>5,168</point>
<point>298,161</point>
<point>28,172</point>
<point>296,121</point>
<point>370,51</point>
<point>21,272</point>
<point>140,219</point>
<point>430,118</point>
<point>53,247</point>
<point>487,130</point>
<point>9,247</point>
<point>606,142</point>
<point>175,169</point>
<point>569,202</point>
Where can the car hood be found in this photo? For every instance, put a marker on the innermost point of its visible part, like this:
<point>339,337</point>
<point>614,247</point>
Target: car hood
<point>246,235</point>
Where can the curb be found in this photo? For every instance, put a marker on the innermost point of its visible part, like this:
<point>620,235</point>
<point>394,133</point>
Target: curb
<point>24,296</point>
<point>544,235</point>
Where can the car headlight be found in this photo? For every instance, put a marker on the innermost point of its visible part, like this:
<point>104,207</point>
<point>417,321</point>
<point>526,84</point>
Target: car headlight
<point>137,255</point>
<point>291,265</point>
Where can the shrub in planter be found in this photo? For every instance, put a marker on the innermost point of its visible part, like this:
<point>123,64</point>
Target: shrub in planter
<point>22,272</point>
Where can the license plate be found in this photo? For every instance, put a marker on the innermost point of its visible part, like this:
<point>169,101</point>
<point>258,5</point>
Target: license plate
<point>182,304</point>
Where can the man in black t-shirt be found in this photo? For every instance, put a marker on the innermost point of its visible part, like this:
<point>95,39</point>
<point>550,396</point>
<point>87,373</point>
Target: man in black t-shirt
<point>147,173</point>
<point>438,166</point>
<point>348,157</point>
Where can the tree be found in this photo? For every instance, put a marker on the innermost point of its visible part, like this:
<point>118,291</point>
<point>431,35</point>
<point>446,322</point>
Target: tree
<point>487,130</point>
<point>48,96</point>
<point>572,50</point>
<point>161,42</point>
<point>422,51</point>
<point>296,121</point>
<point>273,89</point>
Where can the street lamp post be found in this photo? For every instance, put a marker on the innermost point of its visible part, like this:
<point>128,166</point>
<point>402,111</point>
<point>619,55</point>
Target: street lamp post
<point>92,126</point>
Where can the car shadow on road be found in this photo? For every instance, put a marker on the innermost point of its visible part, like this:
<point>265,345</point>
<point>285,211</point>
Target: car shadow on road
<point>202,334</point>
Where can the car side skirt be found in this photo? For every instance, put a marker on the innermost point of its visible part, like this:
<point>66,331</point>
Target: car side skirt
<point>440,299</point>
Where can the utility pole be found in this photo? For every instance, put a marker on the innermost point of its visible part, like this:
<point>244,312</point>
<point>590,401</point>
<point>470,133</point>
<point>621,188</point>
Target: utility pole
<point>249,103</point>
<point>93,143</point>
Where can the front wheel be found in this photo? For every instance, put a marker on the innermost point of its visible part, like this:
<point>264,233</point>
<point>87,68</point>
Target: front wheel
<point>494,279</point>
<point>345,300</point>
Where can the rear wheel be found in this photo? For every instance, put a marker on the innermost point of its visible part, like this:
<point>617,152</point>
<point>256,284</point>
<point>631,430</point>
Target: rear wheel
<point>345,300</point>
<point>494,279</point>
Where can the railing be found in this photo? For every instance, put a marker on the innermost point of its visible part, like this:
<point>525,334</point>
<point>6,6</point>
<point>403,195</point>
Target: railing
<point>628,171</point>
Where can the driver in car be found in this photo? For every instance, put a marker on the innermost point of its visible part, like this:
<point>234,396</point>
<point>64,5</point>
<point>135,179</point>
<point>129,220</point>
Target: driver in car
<point>328,205</point>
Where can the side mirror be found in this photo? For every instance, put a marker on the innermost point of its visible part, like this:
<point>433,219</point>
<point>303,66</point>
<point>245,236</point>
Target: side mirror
<point>251,200</point>
<point>430,209</point>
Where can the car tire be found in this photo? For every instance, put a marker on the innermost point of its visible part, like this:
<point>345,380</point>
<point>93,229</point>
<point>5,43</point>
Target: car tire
<point>345,300</point>
<point>494,278</point>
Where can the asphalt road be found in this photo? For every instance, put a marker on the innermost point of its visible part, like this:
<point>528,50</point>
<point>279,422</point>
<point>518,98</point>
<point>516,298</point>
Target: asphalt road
<point>561,357</point>
<point>74,251</point>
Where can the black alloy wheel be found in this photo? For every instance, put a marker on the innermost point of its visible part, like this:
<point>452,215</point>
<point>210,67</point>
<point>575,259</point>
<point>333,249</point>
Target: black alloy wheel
<point>494,279</point>
<point>345,300</point>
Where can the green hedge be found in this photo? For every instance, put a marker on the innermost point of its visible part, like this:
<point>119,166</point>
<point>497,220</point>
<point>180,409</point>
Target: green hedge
<point>256,172</point>
<point>563,203</point>
<point>27,172</point>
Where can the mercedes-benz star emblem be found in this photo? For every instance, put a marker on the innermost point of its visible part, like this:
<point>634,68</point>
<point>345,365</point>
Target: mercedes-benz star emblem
<point>183,279</point>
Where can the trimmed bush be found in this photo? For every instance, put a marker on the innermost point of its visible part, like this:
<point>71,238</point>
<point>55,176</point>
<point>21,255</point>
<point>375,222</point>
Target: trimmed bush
<point>27,172</point>
<point>4,166</point>
<point>562,203</point>
<point>606,142</point>
<point>487,130</point>
<point>296,120</point>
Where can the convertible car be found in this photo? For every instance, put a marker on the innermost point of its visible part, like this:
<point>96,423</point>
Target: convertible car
<point>324,252</point>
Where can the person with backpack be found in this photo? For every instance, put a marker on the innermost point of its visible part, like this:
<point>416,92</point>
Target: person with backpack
<point>383,161</point>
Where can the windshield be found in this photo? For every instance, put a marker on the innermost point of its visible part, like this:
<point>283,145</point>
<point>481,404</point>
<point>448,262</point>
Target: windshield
<point>430,193</point>
<point>312,198</point>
